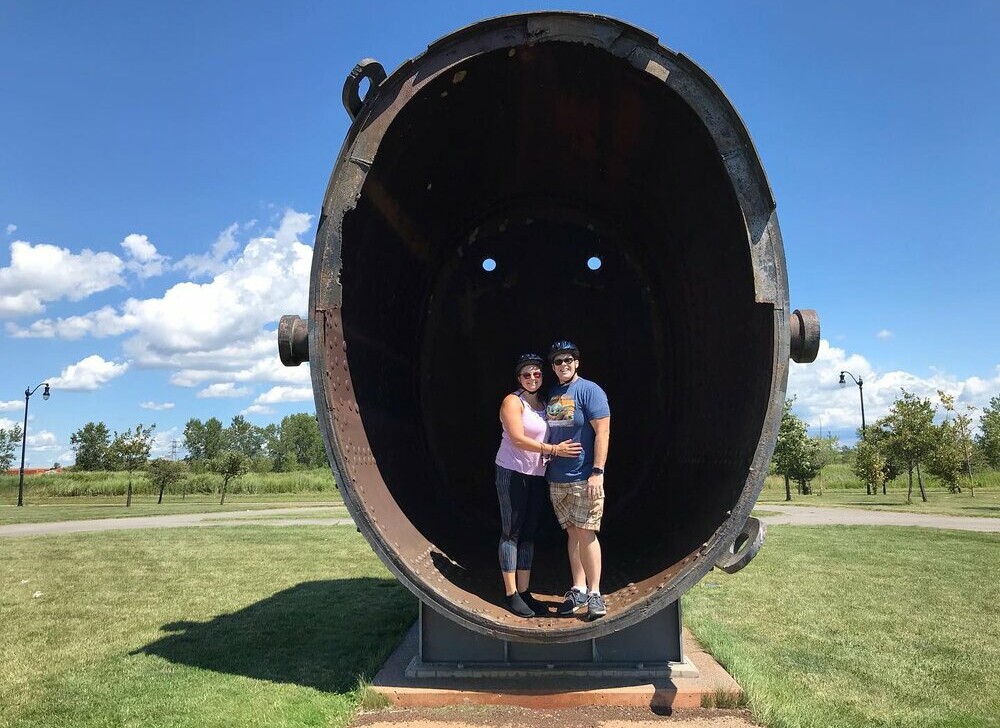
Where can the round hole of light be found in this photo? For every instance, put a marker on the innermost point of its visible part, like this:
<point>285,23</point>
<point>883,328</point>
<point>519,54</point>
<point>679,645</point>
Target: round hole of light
<point>489,265</point>
<point>594,263</point>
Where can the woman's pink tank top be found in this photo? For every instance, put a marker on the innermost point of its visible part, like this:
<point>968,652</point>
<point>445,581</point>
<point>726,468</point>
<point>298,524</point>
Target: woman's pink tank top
<point>512,457</point>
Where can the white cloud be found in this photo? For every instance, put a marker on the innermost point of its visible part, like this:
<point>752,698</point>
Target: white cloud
<point>100,323</point>
<point>257,409</point>
<point>884,334</point>
<point>277,395</point>
<point>139,248</point>
<point>43,441</point>
<point>11,228</point>
<point>158,407</point>
<point>223,389</point>
<point>144,260</point>
<point>214,261</point>
<point>256,362</point>
<point>11,405</point>
<point>8,424</point>
<point>819,397</point>
<point>218,331</point>
<point>88,374</point>
<point>41,273</point>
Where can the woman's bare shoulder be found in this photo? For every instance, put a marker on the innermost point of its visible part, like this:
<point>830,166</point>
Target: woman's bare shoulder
<point>512,400</point>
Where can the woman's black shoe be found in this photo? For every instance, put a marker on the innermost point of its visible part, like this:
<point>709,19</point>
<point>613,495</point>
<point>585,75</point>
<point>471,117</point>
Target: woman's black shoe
<point>518,607</point>
<point>533,604</point>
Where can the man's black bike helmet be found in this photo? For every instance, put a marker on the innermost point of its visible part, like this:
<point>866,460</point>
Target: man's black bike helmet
<point>558,347</point>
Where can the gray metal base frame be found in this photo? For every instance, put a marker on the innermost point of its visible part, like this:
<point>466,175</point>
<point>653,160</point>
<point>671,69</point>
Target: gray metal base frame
<point>651,648</point>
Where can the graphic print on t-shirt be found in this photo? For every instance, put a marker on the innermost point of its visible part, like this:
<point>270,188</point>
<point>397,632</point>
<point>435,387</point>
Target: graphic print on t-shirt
<point>561,411</point>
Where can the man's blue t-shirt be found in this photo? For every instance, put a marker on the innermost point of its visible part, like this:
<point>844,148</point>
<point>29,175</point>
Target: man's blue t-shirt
<point>569,412</point>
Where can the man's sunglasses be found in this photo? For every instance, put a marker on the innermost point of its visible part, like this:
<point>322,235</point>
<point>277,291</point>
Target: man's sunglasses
<point>531,375</point>
<point>563,360</point>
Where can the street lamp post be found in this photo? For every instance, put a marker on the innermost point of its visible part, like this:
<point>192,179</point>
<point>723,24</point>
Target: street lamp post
<point>24,436</point>
<point>861,392</point>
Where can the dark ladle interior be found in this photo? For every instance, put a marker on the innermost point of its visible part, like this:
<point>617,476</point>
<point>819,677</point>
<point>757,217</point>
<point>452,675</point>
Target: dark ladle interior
<point>541,160</point>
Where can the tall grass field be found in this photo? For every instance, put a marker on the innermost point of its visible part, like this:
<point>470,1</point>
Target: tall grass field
<point>103,483</point>
<point>839,476</point>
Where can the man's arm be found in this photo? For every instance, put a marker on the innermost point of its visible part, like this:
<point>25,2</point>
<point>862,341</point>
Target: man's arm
<point>602,437</point>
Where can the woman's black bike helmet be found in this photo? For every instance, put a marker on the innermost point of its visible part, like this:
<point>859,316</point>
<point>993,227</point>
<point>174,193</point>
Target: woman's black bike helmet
<point>527,359</point>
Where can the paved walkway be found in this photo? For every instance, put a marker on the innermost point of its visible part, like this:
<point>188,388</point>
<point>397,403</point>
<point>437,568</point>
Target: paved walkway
<point>818,516</point>
<point>262,517</point>
<point>793,515</point>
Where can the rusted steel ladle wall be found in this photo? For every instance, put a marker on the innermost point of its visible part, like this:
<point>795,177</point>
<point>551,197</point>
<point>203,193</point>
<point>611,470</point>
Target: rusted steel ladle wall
<point>541,141</point>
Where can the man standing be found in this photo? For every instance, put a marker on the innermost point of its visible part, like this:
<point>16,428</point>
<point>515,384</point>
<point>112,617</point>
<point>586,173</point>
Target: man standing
<point>578,410</point>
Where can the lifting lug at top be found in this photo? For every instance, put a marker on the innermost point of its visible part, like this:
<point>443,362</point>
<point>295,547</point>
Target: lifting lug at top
<point>368,68</point>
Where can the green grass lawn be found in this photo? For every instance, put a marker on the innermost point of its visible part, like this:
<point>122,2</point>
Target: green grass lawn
<point>78,508</point>
<point>860,626</point>
<point>829,626</point>
<point>985,503</point>
<point>193,627</point>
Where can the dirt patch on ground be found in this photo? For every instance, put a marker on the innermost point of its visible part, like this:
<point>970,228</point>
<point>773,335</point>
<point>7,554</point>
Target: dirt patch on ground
<point>503,716</point>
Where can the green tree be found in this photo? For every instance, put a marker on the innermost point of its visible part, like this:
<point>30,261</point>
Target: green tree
<point>129,451</point>
<point>163,473</point>
<point>300,437</point>
<point>828,451</point>
<point>807,464</point>
<point>988,440</point>
<point>879,436</point>
<point>963,423</point>
<point>230,465</point>
<point>9,440</point>
<point>194,439</point>
<point>951,455</point>
<point>281,454</point>
<point>204,440</point>
<point>870,465</point>
<point>90,443</point>
<point>215,438</point>
<point>913,436</point>
<point>789,449</point>
<point>243,437</point>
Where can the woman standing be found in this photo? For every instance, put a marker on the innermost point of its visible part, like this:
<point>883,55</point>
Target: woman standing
<point>521,486</point>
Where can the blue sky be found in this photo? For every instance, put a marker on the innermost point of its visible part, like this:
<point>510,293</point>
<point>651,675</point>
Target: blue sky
<point>162,166</point>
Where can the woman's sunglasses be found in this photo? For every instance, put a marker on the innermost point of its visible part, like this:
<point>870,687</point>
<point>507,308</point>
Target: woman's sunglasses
<point>563,360</point>
<point>531,375</point>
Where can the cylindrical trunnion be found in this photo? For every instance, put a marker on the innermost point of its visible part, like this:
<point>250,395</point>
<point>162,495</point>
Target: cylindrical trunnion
<point>620,203</point>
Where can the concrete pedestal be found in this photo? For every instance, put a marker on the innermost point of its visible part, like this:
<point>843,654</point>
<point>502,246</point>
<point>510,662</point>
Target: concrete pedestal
<point>408,681</point>
<point>652,648</point>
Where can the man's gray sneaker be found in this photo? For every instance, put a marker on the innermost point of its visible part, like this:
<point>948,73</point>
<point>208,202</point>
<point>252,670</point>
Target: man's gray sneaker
<point>595,606</point>
<point>573,602</point>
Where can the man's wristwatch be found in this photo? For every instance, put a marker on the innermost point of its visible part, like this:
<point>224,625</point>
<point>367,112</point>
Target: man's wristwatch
<point>597,471</point>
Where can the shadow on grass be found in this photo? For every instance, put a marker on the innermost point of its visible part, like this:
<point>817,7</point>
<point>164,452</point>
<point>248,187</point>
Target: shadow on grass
<point>983,509</point>
<point>326,635</point>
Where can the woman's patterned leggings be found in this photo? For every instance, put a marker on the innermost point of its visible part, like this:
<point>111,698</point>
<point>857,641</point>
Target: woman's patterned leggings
<point>522,498</point>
